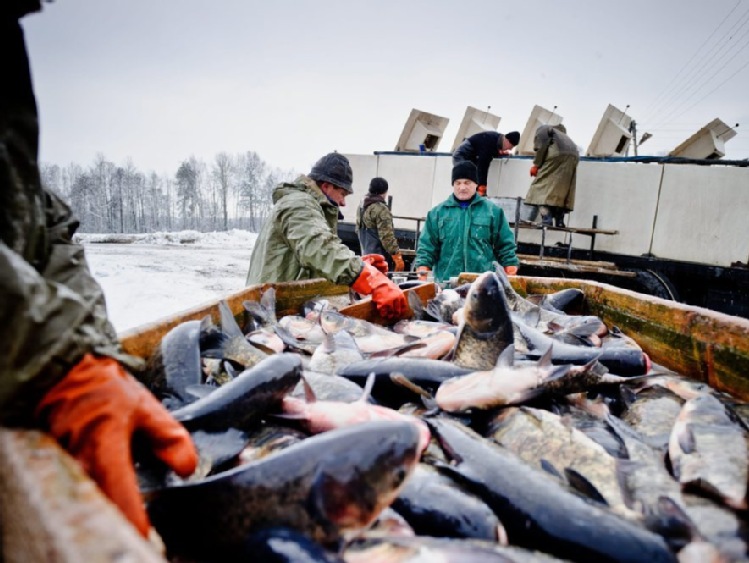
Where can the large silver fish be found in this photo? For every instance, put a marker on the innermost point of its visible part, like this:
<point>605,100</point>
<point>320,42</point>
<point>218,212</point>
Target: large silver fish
<point>486,330</point>
<point>708,451</point>
<point>324,486</point>
<point>537,512</point>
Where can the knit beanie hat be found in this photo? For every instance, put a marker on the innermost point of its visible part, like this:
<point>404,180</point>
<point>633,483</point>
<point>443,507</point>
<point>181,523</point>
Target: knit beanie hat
<point>378,186</point>
<point>465,170</point>
<point>335,169</point>
<point>513,137</point>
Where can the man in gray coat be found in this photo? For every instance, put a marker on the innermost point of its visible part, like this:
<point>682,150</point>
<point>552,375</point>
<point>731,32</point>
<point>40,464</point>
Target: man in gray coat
<point>554,171</point>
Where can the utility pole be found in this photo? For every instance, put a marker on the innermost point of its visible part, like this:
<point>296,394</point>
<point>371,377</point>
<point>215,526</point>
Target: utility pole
<point>633,130</point>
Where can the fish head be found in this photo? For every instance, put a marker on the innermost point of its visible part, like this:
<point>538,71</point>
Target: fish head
<point>486,309</point>
<point>365,472</point>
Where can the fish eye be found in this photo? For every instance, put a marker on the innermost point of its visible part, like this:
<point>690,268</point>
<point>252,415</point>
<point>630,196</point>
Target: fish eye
<point>399,476</point>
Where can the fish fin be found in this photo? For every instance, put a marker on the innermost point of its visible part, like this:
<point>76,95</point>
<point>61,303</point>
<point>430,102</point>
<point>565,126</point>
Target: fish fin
<point>581,484</point>
<point>229,325</point>
<point>549,468</point>
<point>506,358</point>
<point>545,360</point>
<point>229,369</point>
<point>262,347</point>
<point>667,519</point>
<point>368,385</point>
<point>554,327</point>
<point>288,339</point>
<point>257,311</point>
<point>625,467</point>
<point>309,393</point>
<point>426,397</point>
<point>433,311</point>
<point>268,301</point>
<point>685,437</point>
<point>407,347</point>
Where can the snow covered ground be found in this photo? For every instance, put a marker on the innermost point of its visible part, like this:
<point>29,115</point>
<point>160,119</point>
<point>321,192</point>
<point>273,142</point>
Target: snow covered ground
<point>147,277</point>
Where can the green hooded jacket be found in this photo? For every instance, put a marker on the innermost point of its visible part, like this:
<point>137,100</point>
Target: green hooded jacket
<point>469,239</point>
<point>52,308</point>
<point>299,240</point>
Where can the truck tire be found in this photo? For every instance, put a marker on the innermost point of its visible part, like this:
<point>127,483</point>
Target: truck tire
<point>656,283</point>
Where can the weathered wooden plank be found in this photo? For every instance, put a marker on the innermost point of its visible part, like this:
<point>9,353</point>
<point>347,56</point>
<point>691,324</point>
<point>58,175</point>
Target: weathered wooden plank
<point>50,511</point>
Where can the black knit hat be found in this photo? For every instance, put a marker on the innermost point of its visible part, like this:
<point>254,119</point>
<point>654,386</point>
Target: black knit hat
<point>378,186</point>
<point>465,170</point>
<point>513,137</point>
<point>335,169</point>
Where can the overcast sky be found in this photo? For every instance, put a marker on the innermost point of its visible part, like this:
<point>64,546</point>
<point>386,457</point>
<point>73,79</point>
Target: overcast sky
<point>161,80</point>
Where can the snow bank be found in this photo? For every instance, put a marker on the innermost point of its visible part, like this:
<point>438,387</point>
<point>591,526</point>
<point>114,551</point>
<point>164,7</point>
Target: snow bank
<point>234,238</point>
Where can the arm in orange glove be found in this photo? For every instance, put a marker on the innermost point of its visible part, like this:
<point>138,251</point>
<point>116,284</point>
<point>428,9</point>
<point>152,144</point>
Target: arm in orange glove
<point>94,411</point>
<point>376,260</point>
<point>511,270</point>
<point>481,190</point>
<point>399,264</point>
<point>534,171</point>
<point>390,301</point>
<point>423,272</point>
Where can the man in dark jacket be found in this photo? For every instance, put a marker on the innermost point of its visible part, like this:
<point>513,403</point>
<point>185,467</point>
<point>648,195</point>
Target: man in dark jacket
<point>465,233</point>
<point>374,225</point>
<point>299,241</point>
<point>61,366</point>
<point>482,148</point>
<point>554,173</point>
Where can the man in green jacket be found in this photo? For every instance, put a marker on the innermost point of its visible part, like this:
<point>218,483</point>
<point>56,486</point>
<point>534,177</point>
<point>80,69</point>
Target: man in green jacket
<point>299,240</point>
<point>465,233</point>
<point>554,173</point>
<point>61,366</point>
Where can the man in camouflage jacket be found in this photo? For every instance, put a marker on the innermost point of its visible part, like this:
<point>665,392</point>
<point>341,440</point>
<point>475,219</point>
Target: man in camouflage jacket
<point>374,225</point>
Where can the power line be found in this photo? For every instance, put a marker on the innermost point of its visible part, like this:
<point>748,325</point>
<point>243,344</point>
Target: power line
<point>674,82</point>
<point>714,89</point>
<point>705,82</point>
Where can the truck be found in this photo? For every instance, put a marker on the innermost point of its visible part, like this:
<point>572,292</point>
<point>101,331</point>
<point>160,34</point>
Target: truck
<point>666,226</point>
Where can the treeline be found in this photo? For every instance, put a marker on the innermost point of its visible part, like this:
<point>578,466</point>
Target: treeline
<point>231,191</point>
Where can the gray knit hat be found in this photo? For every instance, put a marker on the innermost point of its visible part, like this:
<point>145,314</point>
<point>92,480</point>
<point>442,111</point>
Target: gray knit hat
<point>335,169</point>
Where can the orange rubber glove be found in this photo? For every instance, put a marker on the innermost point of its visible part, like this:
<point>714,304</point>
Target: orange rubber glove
<point>390,301</point>
<point>481,190</point>
<point>94,411</point>
<point>398,260</point>
<point>511,270</point>
<point>376,260</point>
<point>534,170</point>
<point>422,272</point>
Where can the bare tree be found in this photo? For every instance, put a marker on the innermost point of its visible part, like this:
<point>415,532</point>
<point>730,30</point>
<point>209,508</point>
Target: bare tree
<point>223,172</point>
<point>252,174</point>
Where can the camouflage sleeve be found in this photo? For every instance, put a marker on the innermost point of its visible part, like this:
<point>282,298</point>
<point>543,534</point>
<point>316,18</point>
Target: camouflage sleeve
<point>383,218</point>
<point>315,246</point>
<point>541,144</point>
<point>52,308</point>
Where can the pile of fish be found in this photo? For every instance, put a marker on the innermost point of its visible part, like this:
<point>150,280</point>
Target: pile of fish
<point>490,427</point>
